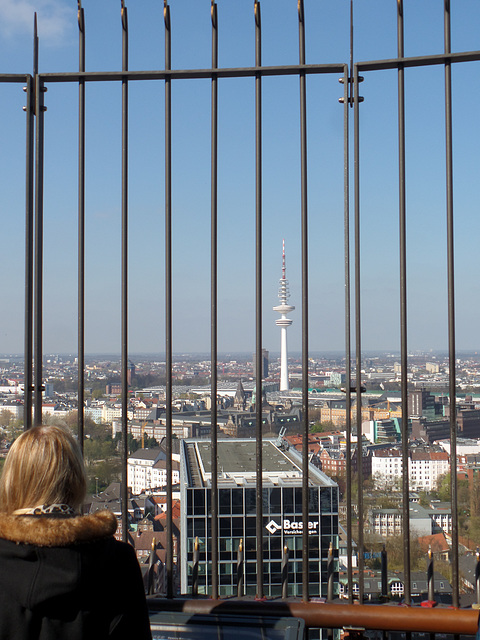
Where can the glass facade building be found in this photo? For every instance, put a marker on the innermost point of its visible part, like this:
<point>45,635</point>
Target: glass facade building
<point>282,518</point>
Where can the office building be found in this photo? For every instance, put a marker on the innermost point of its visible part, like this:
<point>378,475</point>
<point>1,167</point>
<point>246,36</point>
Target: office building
<point>265,356</point>
<point>282,517</point>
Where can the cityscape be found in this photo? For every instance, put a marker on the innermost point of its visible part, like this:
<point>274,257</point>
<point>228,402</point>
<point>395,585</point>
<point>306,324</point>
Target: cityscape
<point>242,272</point>
<point>429,449</point>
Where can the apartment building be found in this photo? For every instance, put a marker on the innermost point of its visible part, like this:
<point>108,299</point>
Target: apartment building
<point>423,522</point>
<point>147,470</point>
<point>425,466</point>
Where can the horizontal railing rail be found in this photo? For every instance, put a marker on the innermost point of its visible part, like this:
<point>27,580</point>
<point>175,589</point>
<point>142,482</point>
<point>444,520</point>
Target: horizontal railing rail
<point>337,616</point>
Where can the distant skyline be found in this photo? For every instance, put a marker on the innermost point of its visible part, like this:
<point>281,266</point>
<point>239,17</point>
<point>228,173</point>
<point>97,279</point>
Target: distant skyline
<point>327,41</point>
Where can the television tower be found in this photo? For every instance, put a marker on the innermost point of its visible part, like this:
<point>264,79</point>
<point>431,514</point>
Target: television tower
<point>283,322</point>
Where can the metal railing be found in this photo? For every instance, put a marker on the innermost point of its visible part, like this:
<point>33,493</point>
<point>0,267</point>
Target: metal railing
<point>36,86</point>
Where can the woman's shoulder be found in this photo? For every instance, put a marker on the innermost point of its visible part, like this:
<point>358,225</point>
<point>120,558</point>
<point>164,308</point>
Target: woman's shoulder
<point>45,531</point>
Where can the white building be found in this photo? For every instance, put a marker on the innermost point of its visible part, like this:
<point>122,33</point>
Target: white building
<point>465,446</point>
<point>425,466</point>
<point>423,522</point>
<point>95,413</point>
<point>147,470</point>
<point>159,474</point>
<point>111,412</point>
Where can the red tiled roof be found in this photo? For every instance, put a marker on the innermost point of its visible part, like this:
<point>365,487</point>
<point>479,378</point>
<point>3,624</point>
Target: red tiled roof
<point>176,512</point>
<point>437,542</point>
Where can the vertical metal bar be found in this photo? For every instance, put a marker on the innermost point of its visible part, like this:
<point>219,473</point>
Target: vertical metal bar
<point>258,298</point>
<point>285,573</point>
<point>348,348</point>
<point>195,569</point>
<point>124,328</point>
<point>403,302</point>
<point>451,307</point>
<point>240,569</point>
<point>477,576</point>
<point>358,334</point>
<point>38,302</point>
<point>430,576</point>
<point>330,574</point>
<point>168,295</point>
<point>330,577</point>
<point>384,569</point>
<point>214,315</point>
<point>81,229</point>
<point>28,340</point>
<point>304,241</point>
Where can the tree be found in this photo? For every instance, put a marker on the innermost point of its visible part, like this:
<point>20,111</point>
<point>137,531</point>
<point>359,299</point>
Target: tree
<point>150,443</point>
<point>475,496</point>
<point>444,491</point>
<point>102,473</point>
<point>91,428</point>
<point>394,546</point>
<point>424,499</point>
<point>96,449</point>
<point>11,427</point>
<point>6,417</point>
<point>319,427</point>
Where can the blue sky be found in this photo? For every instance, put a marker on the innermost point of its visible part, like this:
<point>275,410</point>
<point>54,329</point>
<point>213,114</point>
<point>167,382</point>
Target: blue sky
<point>327,38</point>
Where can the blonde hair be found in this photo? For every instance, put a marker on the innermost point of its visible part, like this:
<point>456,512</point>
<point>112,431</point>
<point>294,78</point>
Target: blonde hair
<point>43,467</point>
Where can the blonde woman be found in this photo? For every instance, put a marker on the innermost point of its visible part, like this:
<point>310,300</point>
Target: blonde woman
<point>62,575</point>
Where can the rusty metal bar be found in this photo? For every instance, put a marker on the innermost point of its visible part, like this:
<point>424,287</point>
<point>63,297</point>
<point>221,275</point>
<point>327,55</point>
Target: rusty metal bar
<point>330,573</point>
<point>186,74</point>
<point>358,333</point>
<point>304,243</point>
<point>403,304</point>
<point>285,573</point>
<point>14,78</point>
<point>430,576</point>
<point>29,181</point>
<point>81,229</point>
<point>246,72</point>
<point>338,616</point>
<point>258,301</point>
<point>124,312</point>
<point>419,61</point>
<point>168,296</point>
<point>384,570</point>
<point>240,569</point>
<point>214,314</point>
<point>348,345</point>
<point>477,576</point>
<point>196,555</point>
<point>451,305</point>
<point>38,277</point>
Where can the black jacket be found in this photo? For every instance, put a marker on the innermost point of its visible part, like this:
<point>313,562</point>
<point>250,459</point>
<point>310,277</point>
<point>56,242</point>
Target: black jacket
<point>69,579</point>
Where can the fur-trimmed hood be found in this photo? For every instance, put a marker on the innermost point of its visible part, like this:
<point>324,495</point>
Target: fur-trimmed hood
<point>45,531</point>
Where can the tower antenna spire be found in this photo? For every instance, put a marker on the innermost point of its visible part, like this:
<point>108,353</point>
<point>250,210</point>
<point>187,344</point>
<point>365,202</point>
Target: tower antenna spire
<point>283,322</point>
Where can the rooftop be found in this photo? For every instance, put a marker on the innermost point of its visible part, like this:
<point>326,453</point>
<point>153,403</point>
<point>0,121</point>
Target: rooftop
<point>237,464</point>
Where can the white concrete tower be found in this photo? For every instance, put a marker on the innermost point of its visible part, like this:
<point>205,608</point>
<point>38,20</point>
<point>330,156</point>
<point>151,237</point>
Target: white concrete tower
<point>283,322</point>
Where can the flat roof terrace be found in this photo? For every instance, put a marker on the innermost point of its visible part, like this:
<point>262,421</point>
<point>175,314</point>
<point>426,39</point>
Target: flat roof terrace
<point>237,464</point>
